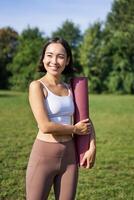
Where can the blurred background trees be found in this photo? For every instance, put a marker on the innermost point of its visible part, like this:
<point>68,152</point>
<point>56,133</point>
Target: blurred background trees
<point>120,27</point>
<point>104,52</point>
<point>8,46</point>
<point>25,60</point>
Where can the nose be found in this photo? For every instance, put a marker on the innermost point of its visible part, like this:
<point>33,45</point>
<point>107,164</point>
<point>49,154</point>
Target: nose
<point>54,59</point>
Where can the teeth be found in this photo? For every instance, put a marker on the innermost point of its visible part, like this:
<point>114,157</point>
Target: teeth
<point>54,67</point>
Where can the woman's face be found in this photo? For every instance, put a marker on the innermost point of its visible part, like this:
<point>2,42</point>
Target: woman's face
<point>55,59</point>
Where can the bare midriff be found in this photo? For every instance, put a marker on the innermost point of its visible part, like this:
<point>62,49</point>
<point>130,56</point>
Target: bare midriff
<point>53,138</point>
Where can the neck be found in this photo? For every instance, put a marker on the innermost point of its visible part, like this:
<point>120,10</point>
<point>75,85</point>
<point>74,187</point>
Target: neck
<point>53,80</point>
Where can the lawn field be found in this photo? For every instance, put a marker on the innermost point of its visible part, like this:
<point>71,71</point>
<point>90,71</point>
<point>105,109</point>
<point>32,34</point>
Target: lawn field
<point>112,178</point>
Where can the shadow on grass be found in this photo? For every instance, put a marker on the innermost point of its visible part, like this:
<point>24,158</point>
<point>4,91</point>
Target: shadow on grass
<point>4,94</point>
<point>7,95</point>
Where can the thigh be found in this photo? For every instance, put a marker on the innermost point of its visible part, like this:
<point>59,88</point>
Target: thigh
<point>40,173</point>
<point>39,178</point>
<point>65,184</point>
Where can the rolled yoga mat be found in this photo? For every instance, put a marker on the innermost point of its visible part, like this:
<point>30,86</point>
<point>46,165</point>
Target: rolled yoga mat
<point>79,86</point>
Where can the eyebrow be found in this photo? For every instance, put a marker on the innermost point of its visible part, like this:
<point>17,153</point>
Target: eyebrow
<point>57,54</point>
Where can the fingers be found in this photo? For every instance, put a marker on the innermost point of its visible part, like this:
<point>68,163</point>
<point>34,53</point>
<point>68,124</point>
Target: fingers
<point>83,161</point>
<point>88,160</point>
<point>89,164</point>
<point>87,123</point>
<point>85,120</point>
<point>83,127</point>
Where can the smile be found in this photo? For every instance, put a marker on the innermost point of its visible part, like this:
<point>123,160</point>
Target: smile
<point>54,67</point>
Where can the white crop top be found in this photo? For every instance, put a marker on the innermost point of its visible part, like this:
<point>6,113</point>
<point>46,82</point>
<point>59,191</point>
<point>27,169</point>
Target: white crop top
<point>60,108</point>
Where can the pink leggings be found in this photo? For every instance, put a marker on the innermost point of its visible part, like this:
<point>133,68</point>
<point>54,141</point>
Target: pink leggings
<point>52,164</point>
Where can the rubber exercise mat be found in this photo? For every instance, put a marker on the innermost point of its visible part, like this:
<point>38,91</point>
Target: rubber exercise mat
<point>79,87</point>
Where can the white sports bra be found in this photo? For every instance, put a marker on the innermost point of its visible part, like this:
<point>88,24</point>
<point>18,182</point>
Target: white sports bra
<point>60,108</point>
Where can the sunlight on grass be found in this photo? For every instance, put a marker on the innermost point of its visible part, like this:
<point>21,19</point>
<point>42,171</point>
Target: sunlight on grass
<point>113,174</point>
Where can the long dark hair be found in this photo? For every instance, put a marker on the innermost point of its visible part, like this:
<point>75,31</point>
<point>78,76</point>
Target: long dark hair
<point>68,69</point>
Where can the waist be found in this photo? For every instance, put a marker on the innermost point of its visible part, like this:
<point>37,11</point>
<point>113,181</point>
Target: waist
<point>53,138</point>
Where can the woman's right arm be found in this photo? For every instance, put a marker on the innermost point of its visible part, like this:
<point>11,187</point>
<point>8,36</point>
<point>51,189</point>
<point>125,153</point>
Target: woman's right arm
<point>36,99</point>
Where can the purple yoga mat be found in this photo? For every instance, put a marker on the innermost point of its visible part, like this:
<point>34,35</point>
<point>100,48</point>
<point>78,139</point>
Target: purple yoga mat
<point>79,87</point>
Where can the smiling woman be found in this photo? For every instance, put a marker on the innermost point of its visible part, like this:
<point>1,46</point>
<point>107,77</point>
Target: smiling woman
<point>55,58</point>
<point>62,53</point>
<point>53,159</point>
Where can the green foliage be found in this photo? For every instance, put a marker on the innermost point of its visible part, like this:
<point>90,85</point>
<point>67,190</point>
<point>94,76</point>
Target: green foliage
<point>24,65</point>
<point>89,56</point>
<point>129,83</point>
<point>113,174</point>
<point>70,32</point>
<point>120,28</point>
<point>104,53</point>
<point>8,45</point>
<point>121,16</point>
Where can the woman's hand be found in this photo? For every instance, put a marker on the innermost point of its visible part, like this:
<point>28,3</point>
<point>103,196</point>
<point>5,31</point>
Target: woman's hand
<point>89,158</point>
<point>82,127</point>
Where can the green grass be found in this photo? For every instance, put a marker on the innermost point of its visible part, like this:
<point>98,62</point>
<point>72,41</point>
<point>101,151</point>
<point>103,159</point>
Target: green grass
<point>112,178</point>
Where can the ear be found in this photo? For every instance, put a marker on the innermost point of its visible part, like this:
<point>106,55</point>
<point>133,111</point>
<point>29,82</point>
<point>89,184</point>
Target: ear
<point>43,60</point>
<point>68,60</point>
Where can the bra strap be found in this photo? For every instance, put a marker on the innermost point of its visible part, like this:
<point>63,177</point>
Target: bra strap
<point>43,85</point>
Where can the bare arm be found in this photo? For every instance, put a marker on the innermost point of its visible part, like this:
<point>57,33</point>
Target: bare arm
<point>36,99</point>
<point>90,154</point>
<point>93,136</point>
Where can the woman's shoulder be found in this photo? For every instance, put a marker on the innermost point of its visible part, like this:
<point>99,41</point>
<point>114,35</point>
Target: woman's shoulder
<point>36,86</point>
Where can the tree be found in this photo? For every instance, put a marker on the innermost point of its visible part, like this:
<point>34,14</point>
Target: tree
<point>89,56</point>
<point>121,16</point>
<point>8,45</point>
<point>70,32</point>
<point>107,54</point>
<point>120,27</point>
<point>25,61</point>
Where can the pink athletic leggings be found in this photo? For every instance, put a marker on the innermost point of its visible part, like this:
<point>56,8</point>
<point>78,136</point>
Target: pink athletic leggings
<point>52,164</point>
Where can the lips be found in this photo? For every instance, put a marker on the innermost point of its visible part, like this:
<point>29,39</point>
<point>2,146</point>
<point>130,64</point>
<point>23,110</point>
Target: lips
<point>54,67</point>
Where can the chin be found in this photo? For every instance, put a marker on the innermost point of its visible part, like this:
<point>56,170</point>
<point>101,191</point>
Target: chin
<point>55,72</point>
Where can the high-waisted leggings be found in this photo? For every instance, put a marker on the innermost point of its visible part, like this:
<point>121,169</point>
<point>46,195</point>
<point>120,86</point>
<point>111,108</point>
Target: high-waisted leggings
<point>52,164</point>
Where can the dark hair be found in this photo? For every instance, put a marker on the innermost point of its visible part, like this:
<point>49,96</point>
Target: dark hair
<point>64,43</point>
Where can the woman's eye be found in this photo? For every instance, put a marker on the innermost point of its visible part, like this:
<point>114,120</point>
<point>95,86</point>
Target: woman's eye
<point>49,55</point>
<point>61,57</point>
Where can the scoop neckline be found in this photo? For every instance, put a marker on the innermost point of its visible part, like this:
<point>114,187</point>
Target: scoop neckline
<point>53,92</point>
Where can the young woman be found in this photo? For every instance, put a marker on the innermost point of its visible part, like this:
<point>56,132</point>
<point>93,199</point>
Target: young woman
<point>52,160</point>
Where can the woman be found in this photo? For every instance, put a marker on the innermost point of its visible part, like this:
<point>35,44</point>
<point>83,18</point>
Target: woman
<point>52,160</point>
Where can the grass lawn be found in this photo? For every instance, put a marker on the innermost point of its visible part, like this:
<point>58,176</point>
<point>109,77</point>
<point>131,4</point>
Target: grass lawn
<point>112,178</point>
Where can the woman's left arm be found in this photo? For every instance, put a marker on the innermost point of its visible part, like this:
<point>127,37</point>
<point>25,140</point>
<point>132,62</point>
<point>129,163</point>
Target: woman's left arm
<point>90,154</point>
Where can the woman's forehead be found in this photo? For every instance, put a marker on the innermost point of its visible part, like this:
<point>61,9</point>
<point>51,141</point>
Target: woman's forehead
<point>56,47</point>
